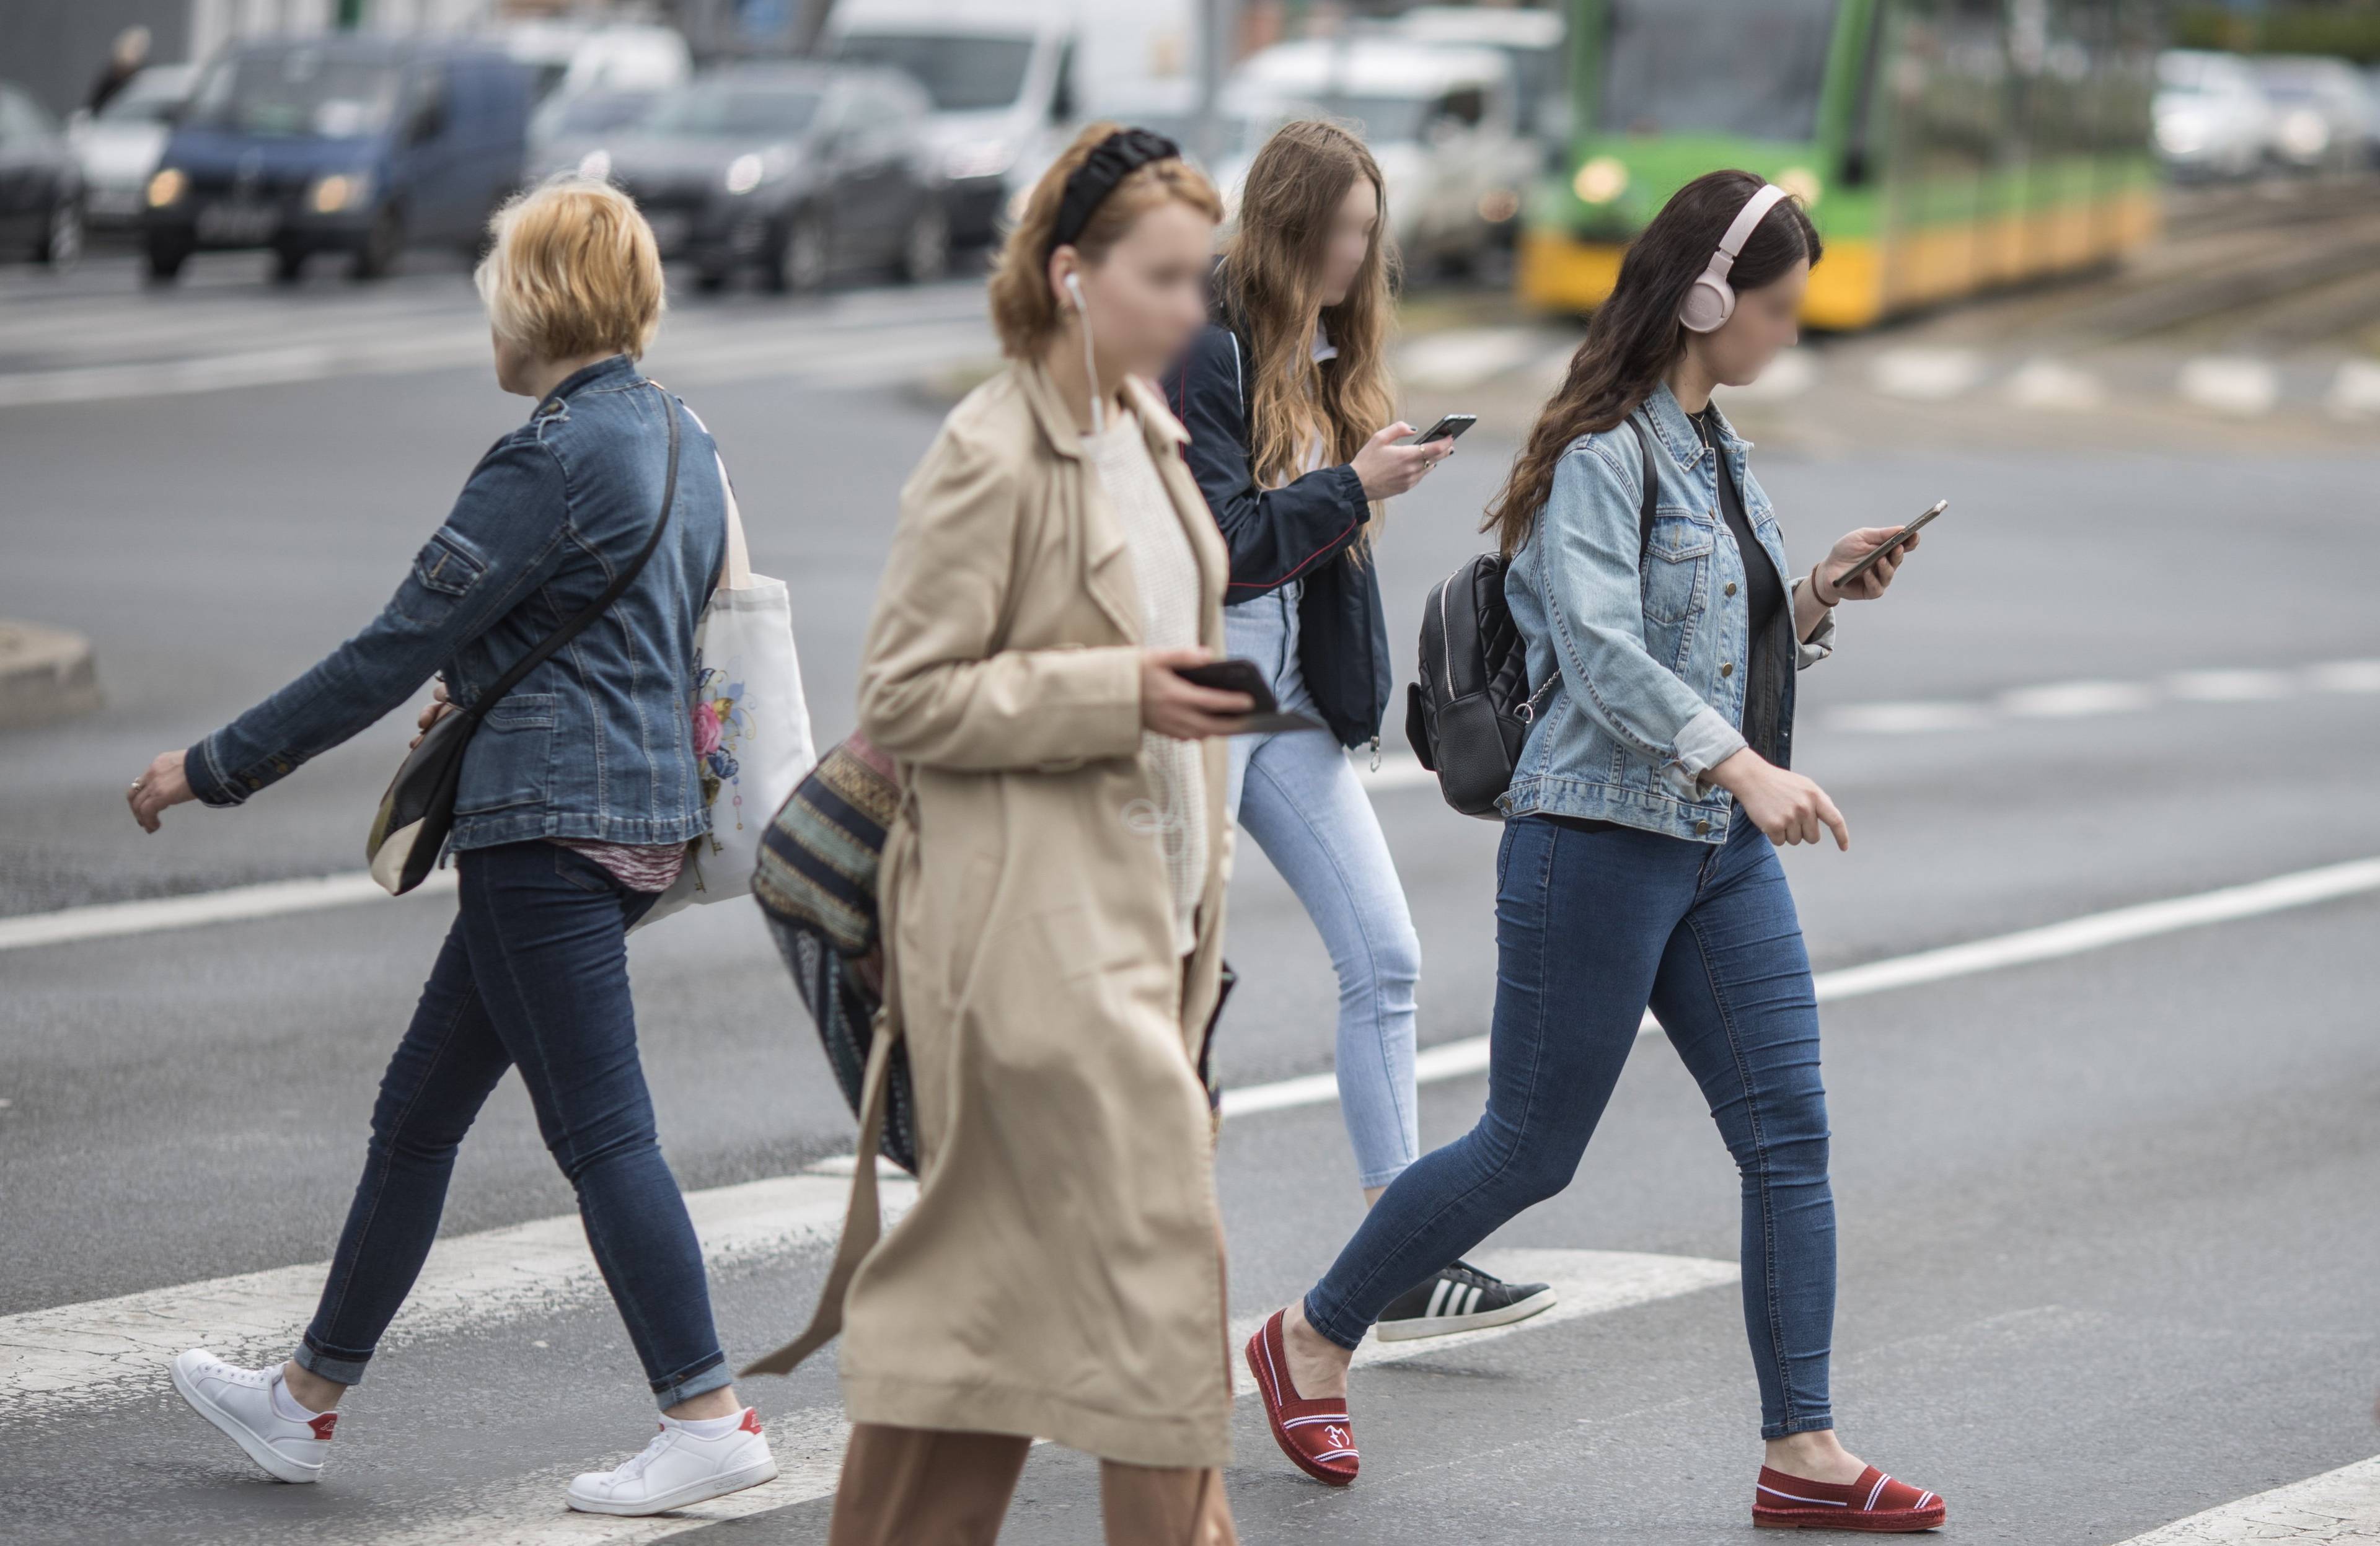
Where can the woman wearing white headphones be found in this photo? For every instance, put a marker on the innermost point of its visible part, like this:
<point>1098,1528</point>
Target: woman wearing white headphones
<point>1638,867</point>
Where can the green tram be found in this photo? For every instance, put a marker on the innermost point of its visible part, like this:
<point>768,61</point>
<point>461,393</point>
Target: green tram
<point>1942,146</point>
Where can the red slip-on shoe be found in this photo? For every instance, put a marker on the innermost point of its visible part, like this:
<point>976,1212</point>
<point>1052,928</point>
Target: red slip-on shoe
<point>1875,1502</point>
<point>1314,1435</point>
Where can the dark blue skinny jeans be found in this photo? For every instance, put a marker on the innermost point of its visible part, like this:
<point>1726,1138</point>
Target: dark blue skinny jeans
<point>1590,927</point>
<point>534,974</point>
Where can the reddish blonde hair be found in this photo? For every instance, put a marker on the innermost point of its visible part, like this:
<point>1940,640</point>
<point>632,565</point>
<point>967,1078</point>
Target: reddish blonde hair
<point>1022,311</point>
<point>572,268</point>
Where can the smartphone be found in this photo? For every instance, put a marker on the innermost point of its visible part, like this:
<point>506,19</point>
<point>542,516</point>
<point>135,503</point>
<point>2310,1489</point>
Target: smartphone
<point>1246,676</point>
<point>1889,543</point>
<point>1449,427</point>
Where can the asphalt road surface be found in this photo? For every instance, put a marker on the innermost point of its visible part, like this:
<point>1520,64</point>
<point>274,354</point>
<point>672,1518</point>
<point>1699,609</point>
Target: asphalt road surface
<point>2107,1209</point>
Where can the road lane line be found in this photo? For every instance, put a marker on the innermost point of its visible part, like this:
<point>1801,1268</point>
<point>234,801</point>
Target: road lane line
<point>68,1353</point>
<point>2095,931</point>
<point>2340,1505</point>
<point>267,899</point>
<point>809,1442</point>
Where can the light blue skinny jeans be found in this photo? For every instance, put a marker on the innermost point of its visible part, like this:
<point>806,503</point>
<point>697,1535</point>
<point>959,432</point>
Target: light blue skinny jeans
<point>1299,798</point>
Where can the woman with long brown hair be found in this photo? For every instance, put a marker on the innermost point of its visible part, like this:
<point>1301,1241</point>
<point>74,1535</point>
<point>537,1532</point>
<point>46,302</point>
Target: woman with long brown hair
<point>1052,907</point>
<point>1638,866</point>
<point>1287,399</point>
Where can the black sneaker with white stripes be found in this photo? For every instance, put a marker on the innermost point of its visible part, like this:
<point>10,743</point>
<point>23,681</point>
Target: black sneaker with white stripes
<point>1460,1299</point>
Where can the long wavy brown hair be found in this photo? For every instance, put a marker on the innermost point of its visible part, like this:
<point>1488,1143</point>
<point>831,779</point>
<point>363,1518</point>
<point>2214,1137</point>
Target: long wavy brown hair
<point>1634,336</point>
<point>1272,268</point>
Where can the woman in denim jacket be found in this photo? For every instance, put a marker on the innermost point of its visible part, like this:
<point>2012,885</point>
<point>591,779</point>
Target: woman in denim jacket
<point>1638,866</point>
<point>578,797</point>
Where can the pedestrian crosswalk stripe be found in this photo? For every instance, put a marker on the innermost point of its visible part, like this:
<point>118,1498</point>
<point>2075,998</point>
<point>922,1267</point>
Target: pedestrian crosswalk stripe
<point>2340,1505</point>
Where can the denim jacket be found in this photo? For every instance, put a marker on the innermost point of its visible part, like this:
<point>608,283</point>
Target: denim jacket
<point>1642,665</point>
<point>596,742</point>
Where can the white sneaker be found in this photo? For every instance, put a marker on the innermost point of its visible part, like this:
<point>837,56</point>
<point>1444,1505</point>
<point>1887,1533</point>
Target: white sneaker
<point>677,1468</point>
<point>240,1402</point>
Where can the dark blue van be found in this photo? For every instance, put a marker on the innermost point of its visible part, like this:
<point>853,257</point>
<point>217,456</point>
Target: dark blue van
<point>360,145</point>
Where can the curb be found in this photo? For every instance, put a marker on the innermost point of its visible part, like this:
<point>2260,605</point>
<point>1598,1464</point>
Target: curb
<point>45,674</point>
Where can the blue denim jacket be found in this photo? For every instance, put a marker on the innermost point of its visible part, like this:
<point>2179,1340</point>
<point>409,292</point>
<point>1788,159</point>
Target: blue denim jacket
<point>596,742</point>
<point>1642,667</point>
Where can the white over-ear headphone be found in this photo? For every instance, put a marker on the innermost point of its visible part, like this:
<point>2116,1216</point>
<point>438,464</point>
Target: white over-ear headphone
<point>1711,300</point>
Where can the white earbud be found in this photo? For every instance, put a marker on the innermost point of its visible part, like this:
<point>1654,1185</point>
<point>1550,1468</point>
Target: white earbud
<point>1075,288</point>
<point>1090,367</point>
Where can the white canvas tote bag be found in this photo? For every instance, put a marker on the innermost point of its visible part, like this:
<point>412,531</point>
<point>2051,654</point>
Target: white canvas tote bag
<point>751,726</point>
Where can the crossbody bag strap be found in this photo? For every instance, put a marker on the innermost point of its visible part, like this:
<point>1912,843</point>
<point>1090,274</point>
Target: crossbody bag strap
<point>611,593</point>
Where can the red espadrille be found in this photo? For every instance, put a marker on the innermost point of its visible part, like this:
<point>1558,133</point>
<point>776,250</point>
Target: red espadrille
<point>1875,1502</point>
<point>1314,1435</point>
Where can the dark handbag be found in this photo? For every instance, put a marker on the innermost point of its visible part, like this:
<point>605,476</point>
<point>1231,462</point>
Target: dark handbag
<point>1469,709</point>
<point>409,832</point>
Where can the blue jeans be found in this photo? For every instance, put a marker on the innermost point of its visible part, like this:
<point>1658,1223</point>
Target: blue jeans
<point>1591,926</point>
<point>1304,806</point>
<point>534,974</point>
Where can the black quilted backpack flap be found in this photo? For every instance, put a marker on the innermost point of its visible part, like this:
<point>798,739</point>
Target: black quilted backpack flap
<point>1468,712</point>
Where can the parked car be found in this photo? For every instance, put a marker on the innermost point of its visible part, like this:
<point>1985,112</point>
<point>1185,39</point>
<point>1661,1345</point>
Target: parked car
<point>565,58</point>
<point>2324,112</point>
<point>1441,121</point>
<point>565,127</point>
<point>796,170</point>
<point>118,146</point>
<point>40,187</point>
<point>2212,117</point>
<point>353,144</point>
<point>1534,42</point>
<point>1002,88</point>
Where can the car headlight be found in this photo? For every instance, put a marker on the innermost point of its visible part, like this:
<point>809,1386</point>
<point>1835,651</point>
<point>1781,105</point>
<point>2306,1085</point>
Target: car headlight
<point>2305,133</point>
<point>744,173</point>
<point>2179,136</point>
<point>595,166</point>
<point>1600,180</point>
<point>340,190</point>
<point>166,188</point>
<point>985,158</point>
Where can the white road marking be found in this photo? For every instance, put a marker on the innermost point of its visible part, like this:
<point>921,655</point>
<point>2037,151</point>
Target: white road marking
<point>2235,385</point>
<point>68,1354</point>
<point>2054,386</point>
<point>2355,389</point>
<point>1926,375</point>
<point>267,899</point>
<point>1460,1060</point>
<point>2338,1505</point>
<point>1789,375</point>
<point>1466,356</point>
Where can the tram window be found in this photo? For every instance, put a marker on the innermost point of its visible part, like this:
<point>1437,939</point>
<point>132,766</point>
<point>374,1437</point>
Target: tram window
<point>1868,127</point>
<point>1747,67</point>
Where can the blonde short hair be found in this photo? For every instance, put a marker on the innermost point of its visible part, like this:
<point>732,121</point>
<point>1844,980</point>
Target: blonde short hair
<point>572,268</point>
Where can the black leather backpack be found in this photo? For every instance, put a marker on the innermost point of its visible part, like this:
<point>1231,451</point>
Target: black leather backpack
<point>1468,713</point>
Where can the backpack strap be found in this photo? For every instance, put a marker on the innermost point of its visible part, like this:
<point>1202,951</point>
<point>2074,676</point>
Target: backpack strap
<point>1644,505</point>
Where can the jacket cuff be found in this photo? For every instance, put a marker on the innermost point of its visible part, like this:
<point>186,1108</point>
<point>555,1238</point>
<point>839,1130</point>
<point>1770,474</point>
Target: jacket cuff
<point>1706,740</point>
<point>205,778</point>
<point>1350,489</point>
<point>1821,643</point>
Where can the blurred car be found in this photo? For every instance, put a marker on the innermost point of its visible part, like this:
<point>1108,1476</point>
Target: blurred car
<point>1440,122</point>
<point>356,144</point>
<point>1534,42</point>
<point>2324,112</point>
<point>796,170</point>
<point>41,186</point>
<point>565,56</point>
<point>2212,117</point>
<point>568,124</point>
<point>118,146</point>
<point>1003,89</point>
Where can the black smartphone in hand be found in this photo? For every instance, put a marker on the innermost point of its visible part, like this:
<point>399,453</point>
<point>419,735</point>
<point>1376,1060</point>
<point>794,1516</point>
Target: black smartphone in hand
<point>1246,676</point>
<point>1449,427</point>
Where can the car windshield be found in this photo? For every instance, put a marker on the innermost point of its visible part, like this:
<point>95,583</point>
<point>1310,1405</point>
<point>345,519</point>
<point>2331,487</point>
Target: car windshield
<point>593,111</point>
<point>724,111</point>
<point>1381,120</point>
<point>298,91</point>
<point>151,99</point>
<point>961,74</point>
<point>1751,68</point>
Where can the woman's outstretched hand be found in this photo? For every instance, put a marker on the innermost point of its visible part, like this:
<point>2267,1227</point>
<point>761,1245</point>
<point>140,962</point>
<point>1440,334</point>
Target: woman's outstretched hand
<point>1784,804</point>
<point>1173,706</point>
<point>1388,468</point>
<point>439,706</point>
<point>1854,546</point>
<point>163,785</point>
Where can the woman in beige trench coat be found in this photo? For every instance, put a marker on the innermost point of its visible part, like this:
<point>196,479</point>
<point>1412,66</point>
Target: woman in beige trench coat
<point>1051,903</point>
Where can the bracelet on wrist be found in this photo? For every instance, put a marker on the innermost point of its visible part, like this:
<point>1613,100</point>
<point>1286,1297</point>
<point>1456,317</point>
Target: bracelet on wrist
<point>1818,589</point>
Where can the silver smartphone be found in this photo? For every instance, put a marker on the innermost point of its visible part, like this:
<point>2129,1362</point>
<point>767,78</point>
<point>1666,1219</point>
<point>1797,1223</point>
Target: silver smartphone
<point>1888,543</point>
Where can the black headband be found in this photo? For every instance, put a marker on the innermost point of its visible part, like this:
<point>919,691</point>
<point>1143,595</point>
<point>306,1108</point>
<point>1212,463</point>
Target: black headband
<point>1110,161</point>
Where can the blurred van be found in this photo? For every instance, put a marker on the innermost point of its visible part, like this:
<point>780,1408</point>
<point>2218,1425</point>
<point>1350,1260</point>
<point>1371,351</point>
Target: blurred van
<point>2323,108</point>
<point>2212,117</point>
<point>1442,122</point>
<point>354,144</point>
<point>565,58</point>
<point>1001,80</point>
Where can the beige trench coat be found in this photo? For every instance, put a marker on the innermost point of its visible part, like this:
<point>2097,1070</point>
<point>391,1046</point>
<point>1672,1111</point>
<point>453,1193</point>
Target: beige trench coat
<point>1061,1274</point>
